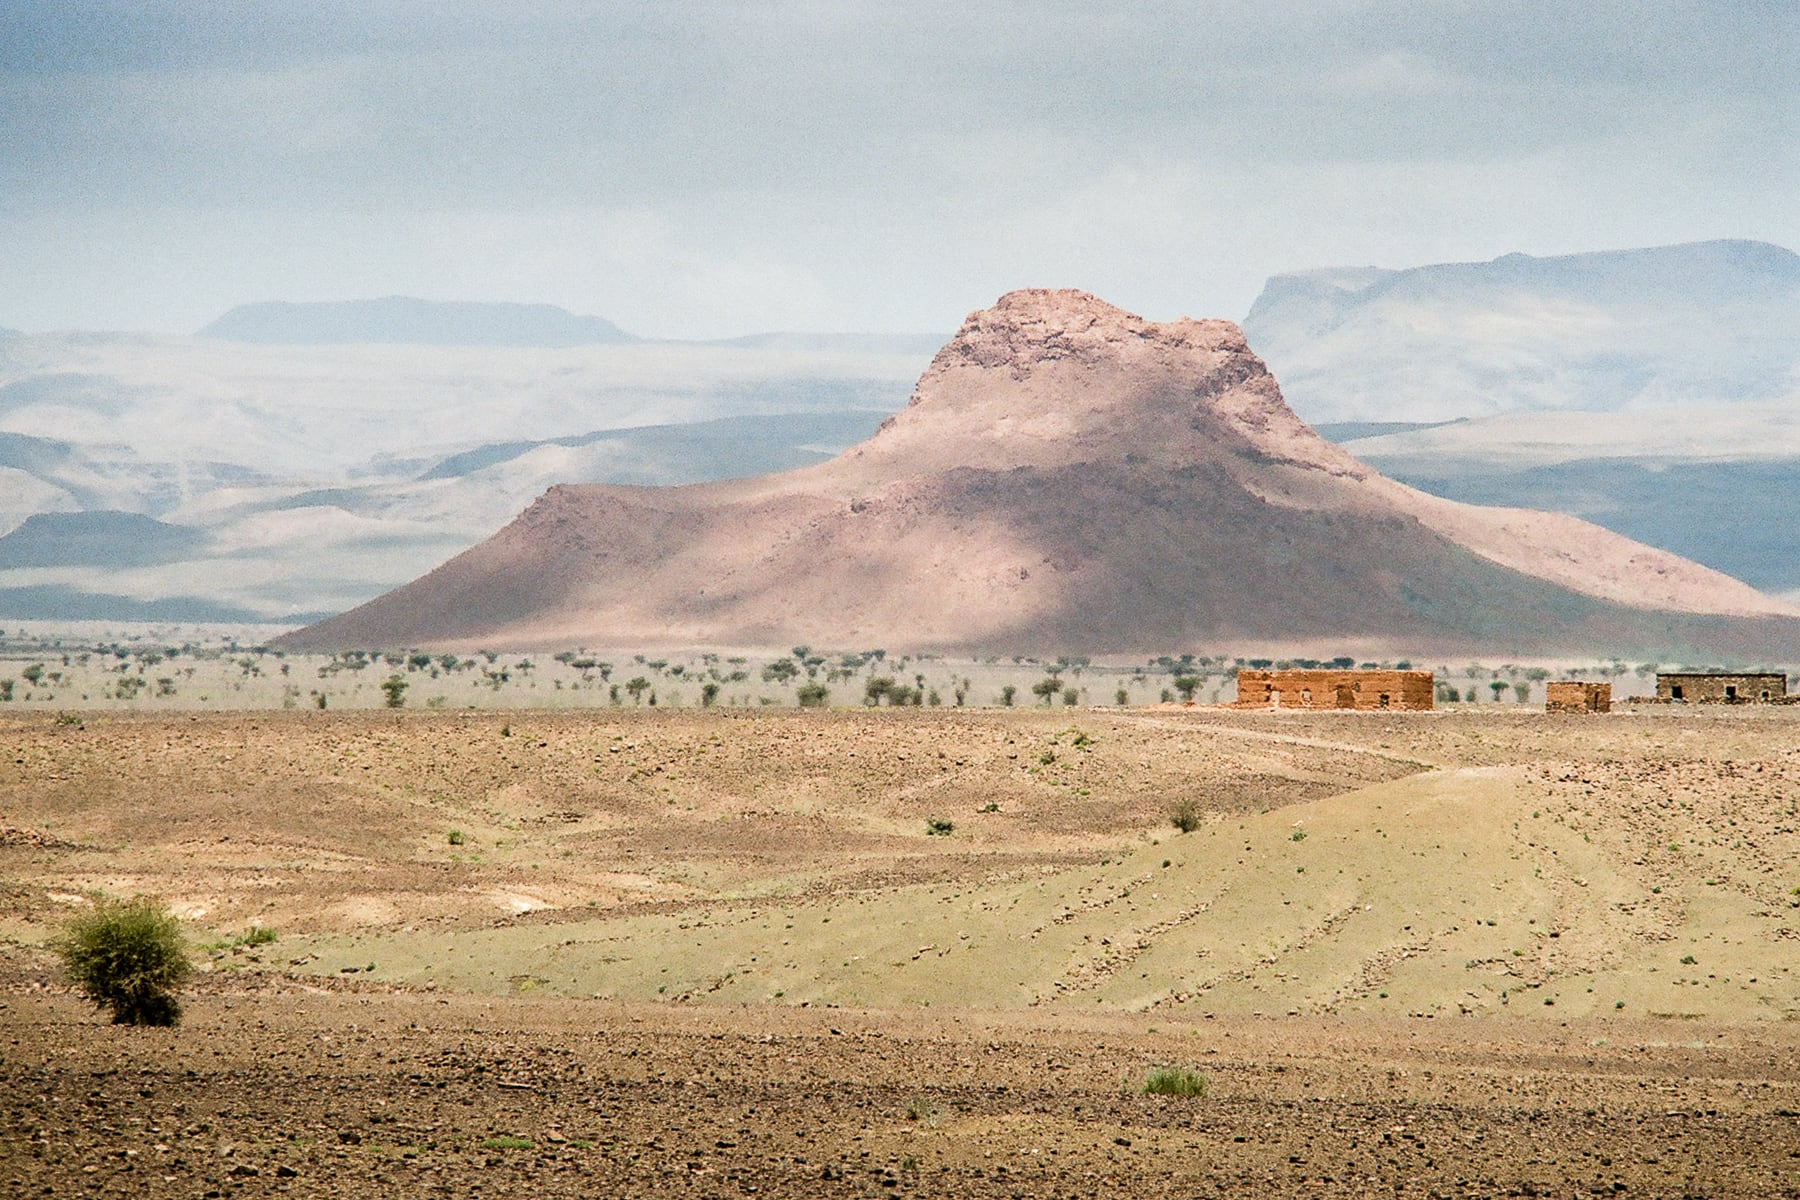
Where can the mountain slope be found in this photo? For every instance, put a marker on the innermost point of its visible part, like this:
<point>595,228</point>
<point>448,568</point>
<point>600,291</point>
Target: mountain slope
<point>1700,324</point>
<point>1067,476</point>
<point>1718,485</point>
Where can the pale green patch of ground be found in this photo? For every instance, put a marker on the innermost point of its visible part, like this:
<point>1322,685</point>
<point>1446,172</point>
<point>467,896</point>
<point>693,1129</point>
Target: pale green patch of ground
<point>1457,891</point>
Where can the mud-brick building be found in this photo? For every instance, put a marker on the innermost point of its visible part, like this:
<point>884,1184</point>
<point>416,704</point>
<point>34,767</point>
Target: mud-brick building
<point>1577,696</point>
<point>1719,687</point>
<point>1360,690</point>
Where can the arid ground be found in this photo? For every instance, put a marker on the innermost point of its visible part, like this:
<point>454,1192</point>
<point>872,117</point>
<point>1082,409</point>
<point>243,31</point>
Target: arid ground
<point>913,952</point>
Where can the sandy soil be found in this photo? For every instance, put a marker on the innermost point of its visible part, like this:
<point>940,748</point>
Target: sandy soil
<point>1416,954</point>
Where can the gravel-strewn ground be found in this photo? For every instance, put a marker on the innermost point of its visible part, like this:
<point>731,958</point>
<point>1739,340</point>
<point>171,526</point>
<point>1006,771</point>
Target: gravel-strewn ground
<point>278,1093</point>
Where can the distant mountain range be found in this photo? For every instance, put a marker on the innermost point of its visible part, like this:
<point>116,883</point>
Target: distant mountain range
<point>1654,392</point>
<point>1710,323</point>
<point>1068,477</point>
<point>178,478</point>
<point>402,320</point>
<point>407,321</point>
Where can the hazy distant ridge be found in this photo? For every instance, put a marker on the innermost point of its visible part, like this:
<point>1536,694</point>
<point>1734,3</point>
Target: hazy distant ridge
<point>403,320</point>
<point>1701,324</point>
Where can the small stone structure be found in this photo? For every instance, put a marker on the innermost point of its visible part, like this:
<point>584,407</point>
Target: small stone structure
<point>1577,696</point>
<point>1361,690</point>
<point>1718,687</point>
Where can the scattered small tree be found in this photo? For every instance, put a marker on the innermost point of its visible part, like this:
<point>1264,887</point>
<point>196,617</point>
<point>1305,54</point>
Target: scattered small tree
<point>709,692</point>
<point>1498,687</point>
<point>1007,693</point>
<point>1122,697</point>
<point>1047,688</point>
<point>1187,685</point>
<point>811,695</point>
<point>1522,692</point>
<point>637,687</point>
<point>127,956</point>
<point>395,688</point>
<point>876,687</point>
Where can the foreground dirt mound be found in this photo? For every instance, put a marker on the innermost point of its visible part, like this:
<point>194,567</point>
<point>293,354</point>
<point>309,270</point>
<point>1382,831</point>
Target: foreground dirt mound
<point>1438,864</point>
<point>1068,477</point>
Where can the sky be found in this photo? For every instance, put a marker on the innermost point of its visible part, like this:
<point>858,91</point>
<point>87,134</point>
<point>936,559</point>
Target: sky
<point>707,168</point>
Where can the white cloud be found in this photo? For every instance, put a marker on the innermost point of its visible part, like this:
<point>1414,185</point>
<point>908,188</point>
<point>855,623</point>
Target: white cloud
<point>718,167</point>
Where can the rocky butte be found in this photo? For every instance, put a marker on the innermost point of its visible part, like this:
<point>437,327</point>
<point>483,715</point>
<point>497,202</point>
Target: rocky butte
<point>1069,477</point>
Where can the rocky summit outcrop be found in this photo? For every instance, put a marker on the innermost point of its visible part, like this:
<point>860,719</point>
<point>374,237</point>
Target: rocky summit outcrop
<point>1068,477</point>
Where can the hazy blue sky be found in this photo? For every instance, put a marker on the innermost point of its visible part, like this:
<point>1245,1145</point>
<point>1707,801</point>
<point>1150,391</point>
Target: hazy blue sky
<point>694,168</point>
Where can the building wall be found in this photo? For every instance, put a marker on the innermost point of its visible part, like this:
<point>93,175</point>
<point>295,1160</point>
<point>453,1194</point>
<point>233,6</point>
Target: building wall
<point>1721,689</point>
<point>1577,696</point>
<point>1361,690</point>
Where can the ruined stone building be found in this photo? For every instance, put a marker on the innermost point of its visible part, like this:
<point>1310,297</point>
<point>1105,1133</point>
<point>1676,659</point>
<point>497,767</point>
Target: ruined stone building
<point>1362,690</point>
<point>1577,696</point>
<point>1716,687</point>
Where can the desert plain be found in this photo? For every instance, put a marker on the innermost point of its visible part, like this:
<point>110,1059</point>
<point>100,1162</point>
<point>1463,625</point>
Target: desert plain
<point>913,952</point>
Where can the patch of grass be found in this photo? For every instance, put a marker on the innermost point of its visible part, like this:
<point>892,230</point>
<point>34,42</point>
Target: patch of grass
<point>1299,835</point>
<point>508,1142</point>
<point>921,1111</point>
<point>127,956</point>
<point>456,837</point>
<point>1185,816</point>
<point>1175,1081</point>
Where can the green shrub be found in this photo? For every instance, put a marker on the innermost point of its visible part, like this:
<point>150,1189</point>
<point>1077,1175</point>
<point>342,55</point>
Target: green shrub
<point>127,956</point>
<point>939,827</point>
<point>811,695</point>
<point>1185,816</point>
<point>1175,1081</point>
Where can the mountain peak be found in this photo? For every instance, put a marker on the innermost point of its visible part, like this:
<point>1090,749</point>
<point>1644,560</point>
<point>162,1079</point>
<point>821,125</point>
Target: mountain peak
<point>1059,375</point>
<point>1032,326</point>
<point>1069,475</point>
